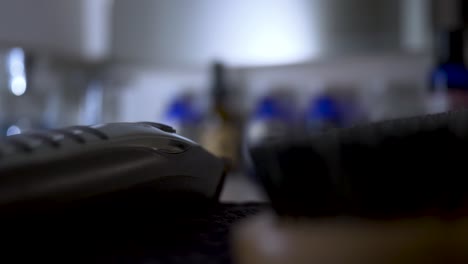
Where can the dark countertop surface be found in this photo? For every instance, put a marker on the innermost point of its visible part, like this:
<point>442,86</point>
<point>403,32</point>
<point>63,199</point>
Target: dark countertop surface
<point>175,235</point>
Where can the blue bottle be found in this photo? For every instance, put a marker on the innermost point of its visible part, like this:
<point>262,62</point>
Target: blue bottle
<point>271,119</point>
<point>449,79</point>
<point>183,115</point>
<point>323,113</point>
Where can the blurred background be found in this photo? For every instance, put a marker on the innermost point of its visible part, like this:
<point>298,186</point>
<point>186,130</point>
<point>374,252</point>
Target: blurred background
<point>229,73</point>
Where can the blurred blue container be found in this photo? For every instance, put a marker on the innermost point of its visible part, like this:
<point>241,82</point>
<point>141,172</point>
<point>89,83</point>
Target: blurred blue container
<point>323,113</point>
<point>183,115</point>
<point>271,119</point>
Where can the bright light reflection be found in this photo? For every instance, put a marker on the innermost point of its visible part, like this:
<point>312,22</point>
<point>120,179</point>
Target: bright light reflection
<point>13,130</point>
<point>16,69</point>
<point>18,85</point>
<point>16,61</point>
<point>258,32</point>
